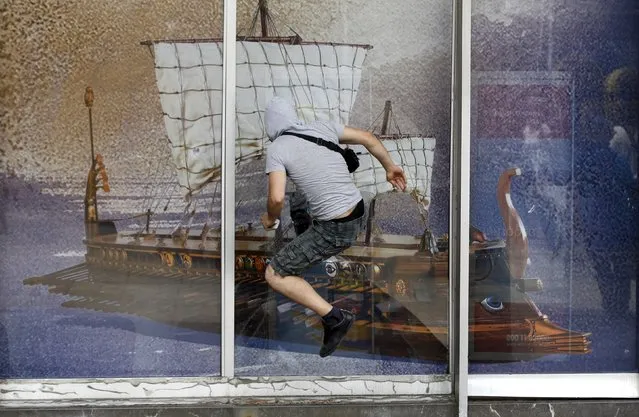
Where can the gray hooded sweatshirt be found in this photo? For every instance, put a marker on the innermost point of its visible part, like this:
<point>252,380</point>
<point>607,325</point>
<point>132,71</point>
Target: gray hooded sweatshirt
<point>318,172</point>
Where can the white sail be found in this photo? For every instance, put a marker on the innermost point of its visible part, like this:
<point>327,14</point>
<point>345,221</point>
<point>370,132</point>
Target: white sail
<point>321,79</point>
<point>415,154</point>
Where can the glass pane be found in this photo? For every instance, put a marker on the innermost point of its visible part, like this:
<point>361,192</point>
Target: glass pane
<point>104,271</point>
<point>393,278</point>
<point>554,187</point>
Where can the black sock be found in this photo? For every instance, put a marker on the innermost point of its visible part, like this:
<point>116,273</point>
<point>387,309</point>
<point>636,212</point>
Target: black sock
<point>333,317</point>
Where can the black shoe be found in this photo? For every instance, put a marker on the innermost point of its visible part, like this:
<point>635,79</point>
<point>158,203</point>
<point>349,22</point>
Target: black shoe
<point>333,335</point>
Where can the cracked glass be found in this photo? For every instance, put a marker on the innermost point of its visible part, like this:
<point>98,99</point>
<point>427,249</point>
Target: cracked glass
<point>109,204</point>
<point>554,188</point>
<point>393,79</point>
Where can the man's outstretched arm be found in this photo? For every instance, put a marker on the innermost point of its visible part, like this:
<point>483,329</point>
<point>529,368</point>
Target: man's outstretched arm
<point>394,174</point>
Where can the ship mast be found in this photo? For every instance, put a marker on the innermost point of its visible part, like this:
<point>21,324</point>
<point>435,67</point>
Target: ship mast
<point>387,112</point>
<point>264,17</point>
<point>88,101</point>
<point>97,178</point>
<point>371,208</point>
<point>90,197</point>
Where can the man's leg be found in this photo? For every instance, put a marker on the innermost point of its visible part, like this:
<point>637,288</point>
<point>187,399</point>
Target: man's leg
<point>336,322</point>
<point>298,290</point>
<point>282,275</point>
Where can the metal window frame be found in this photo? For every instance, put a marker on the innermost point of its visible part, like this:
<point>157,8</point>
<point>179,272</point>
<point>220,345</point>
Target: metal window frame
<point>227,388</point>
<point>442,383</point>
<point>460,201</point>
<point>592,386</point>
<point>570,386</point>
<point>56,393</point>
<point>228,191</point>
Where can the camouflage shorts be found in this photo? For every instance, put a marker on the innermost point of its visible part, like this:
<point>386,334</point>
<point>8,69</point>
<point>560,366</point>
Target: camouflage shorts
<point>320,241</point>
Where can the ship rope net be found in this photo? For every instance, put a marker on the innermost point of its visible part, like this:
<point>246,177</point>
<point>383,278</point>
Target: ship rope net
<point>414,153</point>
<point>321,79</point>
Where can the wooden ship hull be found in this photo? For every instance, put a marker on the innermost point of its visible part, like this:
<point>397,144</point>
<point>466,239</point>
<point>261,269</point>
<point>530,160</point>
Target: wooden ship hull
<point>398,287</point>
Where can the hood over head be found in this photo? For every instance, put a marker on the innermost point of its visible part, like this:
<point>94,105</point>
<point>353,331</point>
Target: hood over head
<point>279,116</point>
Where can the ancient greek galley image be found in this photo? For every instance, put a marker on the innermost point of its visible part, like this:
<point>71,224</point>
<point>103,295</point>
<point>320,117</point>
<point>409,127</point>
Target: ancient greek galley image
<point>112,179</point>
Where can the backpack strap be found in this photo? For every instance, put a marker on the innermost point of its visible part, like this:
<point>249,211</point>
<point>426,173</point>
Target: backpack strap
<point>330,145</point>
<point>349,155</point>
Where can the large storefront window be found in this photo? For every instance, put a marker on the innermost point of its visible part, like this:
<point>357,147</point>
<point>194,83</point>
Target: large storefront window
<point>111,219</point>
<point>393,79</point>
<point>105,268</point>
<point>554,187</point>
<point>134,178</point>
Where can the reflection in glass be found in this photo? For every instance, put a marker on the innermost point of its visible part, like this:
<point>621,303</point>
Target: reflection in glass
<point>555,97</point>
<point>394,279</point>
<point>145,301</point>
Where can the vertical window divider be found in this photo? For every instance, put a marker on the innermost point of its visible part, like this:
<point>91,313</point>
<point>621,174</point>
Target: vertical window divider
<point>228,192</point>
<point>460,202</point>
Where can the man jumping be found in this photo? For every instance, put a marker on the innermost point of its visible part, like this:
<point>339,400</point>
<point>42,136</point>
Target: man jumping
<point>334,204</point>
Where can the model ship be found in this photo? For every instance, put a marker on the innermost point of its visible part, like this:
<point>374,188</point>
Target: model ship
<point>401,281</point>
